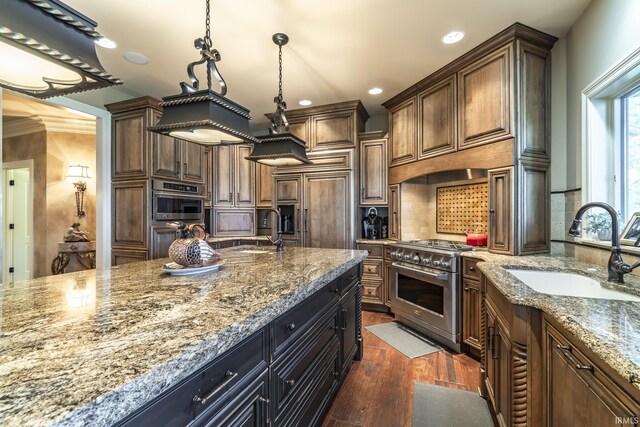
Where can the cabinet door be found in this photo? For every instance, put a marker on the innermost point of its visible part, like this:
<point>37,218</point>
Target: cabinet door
<point>264,185</point>
<point>484,99</point>
<point>437,119</point>
<point>574,396</point>
<point>373,172</point>
<point>129,214</point>
<point>129,148</point>
<point>192,162</point>
<point>208,176</point>
<point>223,175</point>
<point>300,127</point>
<point>288,189</point>
<point>126,256</point>
<point>491,378</point>
<point>504,399</point>
<point>387,280</point>
<point>234,222</point>
<point>534,232</point>
<point>501,211</point>
<point>161,238</point>
<point>394,212</point>
<point>333,130</point>
<point>403,140</point>
<point>244,177</point>
<point>326,218</point>
<point>165,157</point>
<point>471,304</point>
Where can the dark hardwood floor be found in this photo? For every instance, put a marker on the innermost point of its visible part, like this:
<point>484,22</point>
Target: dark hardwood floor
<point>379,389</point>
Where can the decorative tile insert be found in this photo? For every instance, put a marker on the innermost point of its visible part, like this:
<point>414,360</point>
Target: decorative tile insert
<point>462,207</point>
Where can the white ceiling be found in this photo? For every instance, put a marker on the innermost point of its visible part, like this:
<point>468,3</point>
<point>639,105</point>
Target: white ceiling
<point>338,49</point>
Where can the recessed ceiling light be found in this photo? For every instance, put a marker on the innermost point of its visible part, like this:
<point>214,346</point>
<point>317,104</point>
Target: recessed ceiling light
<point>304,102</point>
<point>375,91</point>
<point>452,37</point>
<point>106,43</point>
<point>136,58</point>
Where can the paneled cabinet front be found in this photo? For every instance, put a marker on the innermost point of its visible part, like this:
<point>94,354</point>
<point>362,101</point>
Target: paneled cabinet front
<point>402,133</point>
<point>373,171</point>
<point>130,150</point>
<point>394,212</point>
<point>234,176</point>
<point>437,117</point>
<point>129,214</point>
<point>327,211</point>
<point>264,185</point>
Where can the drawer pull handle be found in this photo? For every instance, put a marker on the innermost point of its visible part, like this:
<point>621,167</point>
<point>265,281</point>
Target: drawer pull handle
<point>467,289</point>
<point>351,278</point>
<point>290,383</point>
<point>202,400</point>
<point>566,350</point>
<point>336,290</point>
<point>369,250</point>
<point>291,326</point>
<point>472,268</point>
<point>263,400</point>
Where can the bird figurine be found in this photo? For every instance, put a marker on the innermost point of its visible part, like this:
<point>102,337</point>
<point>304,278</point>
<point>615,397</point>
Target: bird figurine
<point>191,249</point>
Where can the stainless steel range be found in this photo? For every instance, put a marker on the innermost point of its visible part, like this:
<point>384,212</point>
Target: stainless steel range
<point>425,288</point>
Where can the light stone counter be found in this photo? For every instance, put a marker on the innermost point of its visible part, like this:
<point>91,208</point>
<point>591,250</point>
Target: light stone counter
<point>610,328</point>
<point>88,348</point>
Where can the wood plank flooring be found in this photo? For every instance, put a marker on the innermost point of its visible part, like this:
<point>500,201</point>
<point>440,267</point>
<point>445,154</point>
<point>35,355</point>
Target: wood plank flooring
<point>379,389</point>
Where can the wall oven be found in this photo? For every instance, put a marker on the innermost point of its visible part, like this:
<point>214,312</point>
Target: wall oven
<point>425,289</point>
<point>173,201</point>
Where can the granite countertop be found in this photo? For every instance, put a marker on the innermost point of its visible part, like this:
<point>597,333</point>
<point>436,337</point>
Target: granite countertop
<point>243,238</point>
<point>610,328</point>
<point>377,241</point>
<point>88,348</point>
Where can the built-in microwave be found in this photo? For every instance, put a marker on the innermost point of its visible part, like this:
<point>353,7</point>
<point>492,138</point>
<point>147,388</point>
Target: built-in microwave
<point>174,201</point>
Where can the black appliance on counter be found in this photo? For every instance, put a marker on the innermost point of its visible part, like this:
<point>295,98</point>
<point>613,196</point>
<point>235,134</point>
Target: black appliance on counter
<point>175,201</point>
<point>374,226</point>
<point>425,288</point>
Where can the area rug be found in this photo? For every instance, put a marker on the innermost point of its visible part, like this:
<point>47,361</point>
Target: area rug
<point>435,406</point>
<point>405,340</point>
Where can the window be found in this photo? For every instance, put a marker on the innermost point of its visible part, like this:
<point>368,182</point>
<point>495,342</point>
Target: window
<point>630,150</point>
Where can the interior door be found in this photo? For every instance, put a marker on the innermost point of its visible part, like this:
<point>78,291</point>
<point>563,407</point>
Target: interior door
<point>327,211</point>
<point>18,257</point>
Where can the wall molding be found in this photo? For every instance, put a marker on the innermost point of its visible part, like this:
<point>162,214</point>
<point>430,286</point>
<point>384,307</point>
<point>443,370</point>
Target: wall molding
<point>41,122</point>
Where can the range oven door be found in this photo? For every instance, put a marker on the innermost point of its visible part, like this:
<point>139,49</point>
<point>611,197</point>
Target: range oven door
<point>427,297</point>
<point>168,206</point>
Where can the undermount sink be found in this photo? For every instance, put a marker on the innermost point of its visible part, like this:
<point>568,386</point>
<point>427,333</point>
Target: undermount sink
<point>568,284</point>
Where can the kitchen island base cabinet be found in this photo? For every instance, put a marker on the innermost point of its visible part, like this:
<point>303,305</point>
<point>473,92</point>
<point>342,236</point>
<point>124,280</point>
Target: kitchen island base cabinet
<point>286,374</point>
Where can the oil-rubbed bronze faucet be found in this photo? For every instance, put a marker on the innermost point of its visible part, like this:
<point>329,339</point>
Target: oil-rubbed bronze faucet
<point>616,267</point>
<point>278,242</point>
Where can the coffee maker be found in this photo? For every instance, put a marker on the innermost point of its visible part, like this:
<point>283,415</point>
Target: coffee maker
<point>372,225</point>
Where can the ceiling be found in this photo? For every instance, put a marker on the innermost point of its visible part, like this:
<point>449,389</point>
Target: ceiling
<point>16,106</point>
<point>338,49</point>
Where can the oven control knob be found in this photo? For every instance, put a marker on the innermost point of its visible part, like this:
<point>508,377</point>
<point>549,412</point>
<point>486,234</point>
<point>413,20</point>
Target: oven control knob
<point>416,259</point>
<point>393,254</point>
<point>436,263</point>
<point>426,261</point>
<point>407,257</point>
<point>446,264</point>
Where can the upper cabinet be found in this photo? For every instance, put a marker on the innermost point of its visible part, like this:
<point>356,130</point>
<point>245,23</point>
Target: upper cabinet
<point>234,176</point>
<point>402,131</point>
<point>328,127</point>
<point>437,111</point>
<point>485,99</point>
<point>373,169</point>
<point>264,185</point>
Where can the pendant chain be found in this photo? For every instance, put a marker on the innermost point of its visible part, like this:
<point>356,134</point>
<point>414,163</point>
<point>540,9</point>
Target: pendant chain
<point>207,40</point>
<point>280,71</point>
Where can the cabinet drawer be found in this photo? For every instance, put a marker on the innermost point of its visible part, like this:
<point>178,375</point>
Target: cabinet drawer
<point>349,279</point>
<point>375,251</point>
<point>372,269</point>
<point>296,371</point>
<point>470,268</point>
<point>292,324</point>
<point>372,292</point>
<point>218,382</point>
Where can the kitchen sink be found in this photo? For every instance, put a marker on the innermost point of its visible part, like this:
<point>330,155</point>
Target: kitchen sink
<point>568,284</point>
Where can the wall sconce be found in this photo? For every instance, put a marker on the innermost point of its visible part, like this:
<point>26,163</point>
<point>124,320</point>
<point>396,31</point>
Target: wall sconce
<point>48,49</point>
<point>77,174</point>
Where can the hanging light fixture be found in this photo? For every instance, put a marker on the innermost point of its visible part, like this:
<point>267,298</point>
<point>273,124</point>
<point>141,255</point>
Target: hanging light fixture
<point>204,116</point>
<point>280,147</point>
<point>48,49</point>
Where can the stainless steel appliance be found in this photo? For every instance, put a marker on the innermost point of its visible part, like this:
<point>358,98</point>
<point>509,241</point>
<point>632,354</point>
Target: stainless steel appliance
<point>174,201</point>
<point>425,288</point>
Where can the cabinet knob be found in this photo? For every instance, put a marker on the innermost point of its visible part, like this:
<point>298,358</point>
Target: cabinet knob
<point>290,382</point>
<point>472,268</point>
<point>291,326</point>
<point>492,211</point>
<point>336,290</point>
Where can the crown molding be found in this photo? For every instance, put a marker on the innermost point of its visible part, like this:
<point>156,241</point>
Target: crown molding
<point>41,122</point>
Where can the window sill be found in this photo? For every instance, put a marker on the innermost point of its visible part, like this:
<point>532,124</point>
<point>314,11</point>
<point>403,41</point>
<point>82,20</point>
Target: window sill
<point>606,245</point>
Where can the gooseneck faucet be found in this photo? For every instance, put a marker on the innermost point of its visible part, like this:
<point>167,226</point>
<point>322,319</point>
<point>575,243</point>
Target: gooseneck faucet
<point>278,242</point>
<point>616,267</point>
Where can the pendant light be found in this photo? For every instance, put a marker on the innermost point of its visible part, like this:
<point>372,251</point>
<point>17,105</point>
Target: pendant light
<point>204,116</point>
<point>280,147</point>
<point>48,49</point>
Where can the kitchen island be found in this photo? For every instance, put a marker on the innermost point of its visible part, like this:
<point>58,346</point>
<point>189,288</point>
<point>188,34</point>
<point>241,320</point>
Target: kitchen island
<point>95,347</point>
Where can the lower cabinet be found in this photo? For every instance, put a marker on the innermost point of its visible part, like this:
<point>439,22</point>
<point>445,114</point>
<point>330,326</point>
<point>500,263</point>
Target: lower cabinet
<point>537,374</point>
<point>471,306</point>
<point>373,277</point>
<point>286,374</point>
<point>234,222</point>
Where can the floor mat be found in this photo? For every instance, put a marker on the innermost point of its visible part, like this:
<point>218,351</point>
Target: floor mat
<point>405,340</point>
<point>435,406</point>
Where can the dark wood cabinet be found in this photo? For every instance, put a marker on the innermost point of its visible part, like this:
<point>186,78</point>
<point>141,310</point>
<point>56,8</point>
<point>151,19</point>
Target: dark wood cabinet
<point>264,185</point>
<point>192,158</point>
<point>127,256</point>
<point>234,222</point>
<point>471,305</point>
<point>165,155</point>
<point>129,147</point>
<point>208,176</point>
<point>498,367</point>
<point>402,133</point>
<point>234,182</point>
<point>578,391</point>
<point>349,330</point>
<point>161,238</point>
<point>437,109</point>
<point>130,214</point>
<point>373,277</point>
<point>327,210</point>
<point>373,169</point>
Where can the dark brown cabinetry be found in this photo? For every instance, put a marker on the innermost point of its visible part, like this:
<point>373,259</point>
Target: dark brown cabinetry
<point>471,304</point>
<point>176,160</point>
<point>208,174</point>
<point>373,277</point>
<point>394,212</point>
<point>499,94</point>
<point>373,169</point>
<point>264,185</point>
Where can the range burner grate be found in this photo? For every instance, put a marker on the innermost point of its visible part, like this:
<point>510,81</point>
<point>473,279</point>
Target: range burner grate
<point>447,245</point>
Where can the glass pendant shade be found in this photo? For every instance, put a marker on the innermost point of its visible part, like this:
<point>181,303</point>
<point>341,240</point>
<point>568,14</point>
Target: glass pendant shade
<point>48,49</point>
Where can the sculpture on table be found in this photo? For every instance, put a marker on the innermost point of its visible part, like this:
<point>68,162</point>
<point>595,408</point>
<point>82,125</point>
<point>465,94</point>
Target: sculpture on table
<point>74,234</point>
